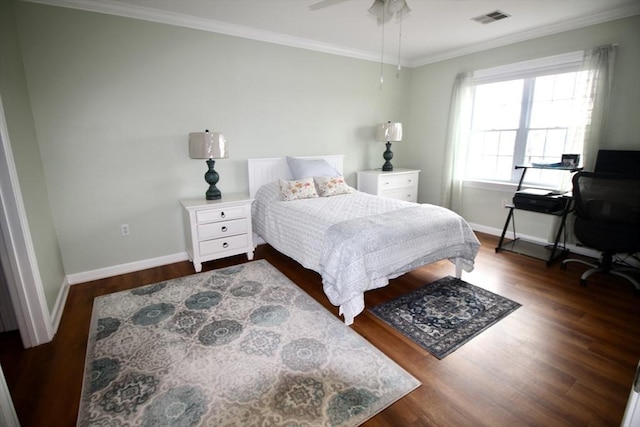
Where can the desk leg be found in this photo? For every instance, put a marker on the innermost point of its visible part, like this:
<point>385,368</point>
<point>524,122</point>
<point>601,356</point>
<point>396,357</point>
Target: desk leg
<point>504,230</point>
<point>559,233</point>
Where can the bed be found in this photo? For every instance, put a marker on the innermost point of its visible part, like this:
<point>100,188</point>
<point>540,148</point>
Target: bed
<point>354,240</point>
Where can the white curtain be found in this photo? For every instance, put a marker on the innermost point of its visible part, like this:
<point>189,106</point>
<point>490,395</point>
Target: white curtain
<point>457,140</point>
<point>595,82</point>
<point>598,73</point>
<point>587,136</point>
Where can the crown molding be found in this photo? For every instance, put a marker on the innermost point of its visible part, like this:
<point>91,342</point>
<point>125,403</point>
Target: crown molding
<point>172,18</point>
<point>559,27</point>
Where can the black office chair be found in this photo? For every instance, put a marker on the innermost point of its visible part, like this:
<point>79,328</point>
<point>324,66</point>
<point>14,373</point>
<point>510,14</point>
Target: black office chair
<point>607,218</point>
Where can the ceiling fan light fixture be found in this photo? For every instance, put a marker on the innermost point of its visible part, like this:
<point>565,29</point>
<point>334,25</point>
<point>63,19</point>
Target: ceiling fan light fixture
<point>394,6</point>
<point>404,11</point>
<point>377,10</point>
<point>384,10</point>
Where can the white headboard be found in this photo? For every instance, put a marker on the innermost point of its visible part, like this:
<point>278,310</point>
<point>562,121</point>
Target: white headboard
<point>266,170</point>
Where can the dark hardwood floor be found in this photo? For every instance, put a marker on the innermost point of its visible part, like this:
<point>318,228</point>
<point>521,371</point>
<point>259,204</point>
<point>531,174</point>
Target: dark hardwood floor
<point>566,357</point>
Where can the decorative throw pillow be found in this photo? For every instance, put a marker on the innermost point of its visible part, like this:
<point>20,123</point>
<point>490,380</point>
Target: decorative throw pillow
<point>332,186</point>
<point>305,168</point>
<point>297,189</point>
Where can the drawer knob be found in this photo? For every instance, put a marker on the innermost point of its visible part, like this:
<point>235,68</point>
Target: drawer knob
<point>224,228</point>
<point>225,245</point>
<point>222,215</point>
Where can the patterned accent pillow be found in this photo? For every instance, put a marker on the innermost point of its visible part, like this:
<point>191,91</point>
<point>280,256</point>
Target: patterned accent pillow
<point>332,186</point>
<point>297,189</point>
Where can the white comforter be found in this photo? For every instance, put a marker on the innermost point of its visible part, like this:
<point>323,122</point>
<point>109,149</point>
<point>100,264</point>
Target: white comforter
<point>358,242</point>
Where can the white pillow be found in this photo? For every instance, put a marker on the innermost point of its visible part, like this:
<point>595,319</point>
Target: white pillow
<point>332,186</point>
<point>305,168</point>
<point>297,189</point>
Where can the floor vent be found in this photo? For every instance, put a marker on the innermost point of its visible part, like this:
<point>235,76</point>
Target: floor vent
<point>490,17</point>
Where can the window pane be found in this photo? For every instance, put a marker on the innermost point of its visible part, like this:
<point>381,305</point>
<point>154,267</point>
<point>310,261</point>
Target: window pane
<point>507,144</point>
<point>521,122</point>
<point>497,105</point>
<point>546,145</point>
<point>492,154</point>
<point>503,169</point>
<point>535,144</point>
<point>552,101</point>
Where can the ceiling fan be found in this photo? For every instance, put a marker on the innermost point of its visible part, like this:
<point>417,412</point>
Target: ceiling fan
<point>382,10</point>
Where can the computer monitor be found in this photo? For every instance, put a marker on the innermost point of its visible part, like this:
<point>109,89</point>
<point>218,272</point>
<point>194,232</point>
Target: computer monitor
<point>622,162</point>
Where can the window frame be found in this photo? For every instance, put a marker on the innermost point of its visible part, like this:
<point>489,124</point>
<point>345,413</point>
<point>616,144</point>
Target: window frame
<point>552,65</point>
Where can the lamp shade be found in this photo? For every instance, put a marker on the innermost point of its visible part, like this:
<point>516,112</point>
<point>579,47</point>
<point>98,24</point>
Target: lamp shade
<point>389,132</point>
<point>207,145</point>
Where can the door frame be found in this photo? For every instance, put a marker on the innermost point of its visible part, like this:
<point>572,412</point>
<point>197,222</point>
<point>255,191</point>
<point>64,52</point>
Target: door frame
<point>17,253</point>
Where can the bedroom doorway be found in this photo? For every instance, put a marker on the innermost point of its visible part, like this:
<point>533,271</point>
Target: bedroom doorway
<point>7,314</point>
<point>17,255</point>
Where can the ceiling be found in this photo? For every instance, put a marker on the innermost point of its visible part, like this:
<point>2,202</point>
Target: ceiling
<point>435,30</point>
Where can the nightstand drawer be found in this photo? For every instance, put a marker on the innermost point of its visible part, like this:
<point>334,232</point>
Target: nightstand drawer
<point>406,194</point>
<point>214,230</point>
<point>222,214</point>
<point>399,184</point>
<point>225,244</point>
<point>218,228</point>
<point>398,181</point>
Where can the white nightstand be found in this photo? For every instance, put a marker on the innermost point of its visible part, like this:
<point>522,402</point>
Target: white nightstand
<point>399,184</point>
<point>218,228</point>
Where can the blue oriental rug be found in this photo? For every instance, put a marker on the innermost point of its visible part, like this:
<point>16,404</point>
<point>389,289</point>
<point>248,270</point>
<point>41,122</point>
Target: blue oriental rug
<point>444,315</point>
<point>240,346</point>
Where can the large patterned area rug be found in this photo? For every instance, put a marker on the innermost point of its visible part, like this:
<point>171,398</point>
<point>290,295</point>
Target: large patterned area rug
<point>444,315</point>
<point>240,346</point>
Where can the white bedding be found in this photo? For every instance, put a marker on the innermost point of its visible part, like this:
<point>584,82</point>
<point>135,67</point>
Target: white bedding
<point>358,242</point>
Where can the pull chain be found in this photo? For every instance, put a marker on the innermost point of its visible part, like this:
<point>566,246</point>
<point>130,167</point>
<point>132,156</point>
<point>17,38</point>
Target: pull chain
<point>399,43</point>
<point>382,52</point>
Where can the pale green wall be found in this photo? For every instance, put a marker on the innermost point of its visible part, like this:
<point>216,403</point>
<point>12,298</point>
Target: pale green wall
<point>431,97</point>
<point>114,99</point>
<point>26,153</point>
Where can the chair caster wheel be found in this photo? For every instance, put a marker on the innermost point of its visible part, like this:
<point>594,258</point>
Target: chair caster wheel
<point>583,283</point>
<point>563,266</point>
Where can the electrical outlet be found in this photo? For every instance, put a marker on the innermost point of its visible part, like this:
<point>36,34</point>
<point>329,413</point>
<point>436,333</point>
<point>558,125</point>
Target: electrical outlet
<point>124,230</point>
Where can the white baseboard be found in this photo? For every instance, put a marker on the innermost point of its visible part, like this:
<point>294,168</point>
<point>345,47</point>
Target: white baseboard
<point>58,308</point>
<point>102,273</point>
<point>580,250</point>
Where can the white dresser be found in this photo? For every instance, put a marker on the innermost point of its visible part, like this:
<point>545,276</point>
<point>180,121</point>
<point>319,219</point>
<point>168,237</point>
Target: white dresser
<point>218,228</point>
<point>399,184</point>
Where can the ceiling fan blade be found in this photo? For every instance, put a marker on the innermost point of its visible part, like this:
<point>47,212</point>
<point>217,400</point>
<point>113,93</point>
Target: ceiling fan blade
<point>325,3</point>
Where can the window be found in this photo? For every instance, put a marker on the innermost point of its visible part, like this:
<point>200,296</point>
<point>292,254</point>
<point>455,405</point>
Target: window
<point>523,114</point>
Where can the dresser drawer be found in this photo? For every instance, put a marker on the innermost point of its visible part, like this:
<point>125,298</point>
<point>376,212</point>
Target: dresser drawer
<point>408,194</point>
<point>214,230</point>
<point>224,244</point>
<point>398,181</point>
<point>222,214</point>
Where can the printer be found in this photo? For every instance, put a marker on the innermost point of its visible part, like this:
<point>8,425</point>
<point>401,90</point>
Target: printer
<point>533,199</point>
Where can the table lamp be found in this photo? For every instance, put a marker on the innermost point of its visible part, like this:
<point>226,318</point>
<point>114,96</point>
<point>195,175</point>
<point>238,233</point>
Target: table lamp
<point>206,145</point>
<point>389,132</point>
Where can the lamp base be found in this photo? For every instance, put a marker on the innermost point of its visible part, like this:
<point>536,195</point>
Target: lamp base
<point>212,178</point>
<point>387,155</point>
